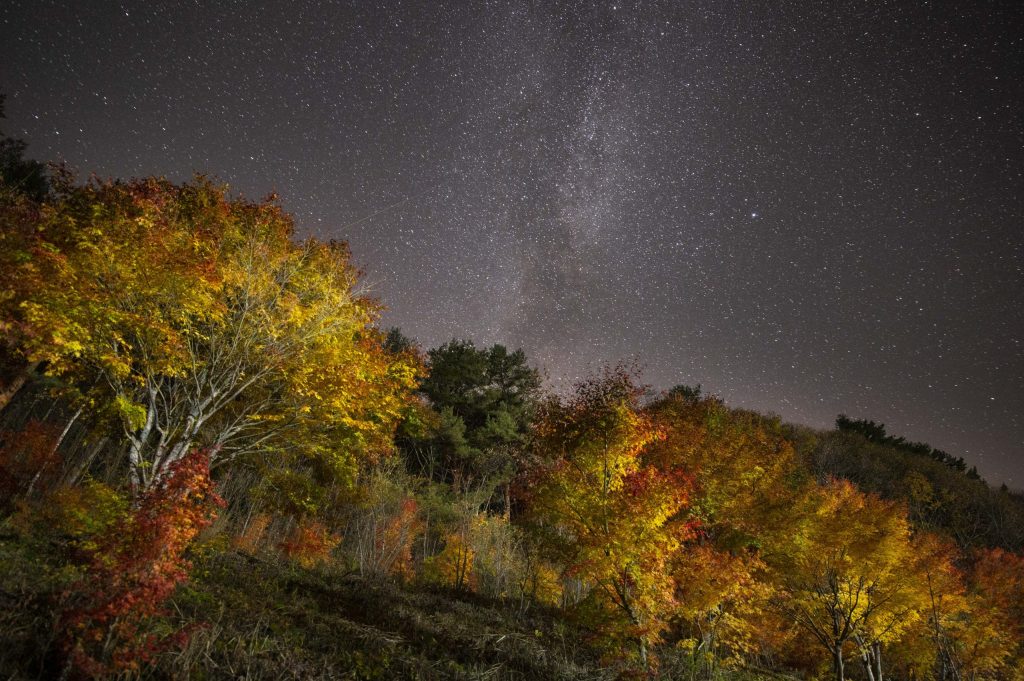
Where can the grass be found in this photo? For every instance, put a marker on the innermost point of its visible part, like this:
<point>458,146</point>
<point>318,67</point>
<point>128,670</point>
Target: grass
<point>262,618</point>
<point>268,620</point>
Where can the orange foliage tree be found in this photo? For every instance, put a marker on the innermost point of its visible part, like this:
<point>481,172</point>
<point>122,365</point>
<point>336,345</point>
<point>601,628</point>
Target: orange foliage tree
<point>990,639</point>
<point>971,627</point>
<point>724,601</point>
<point>743,496</point>
<point>741,463</point>
<point>612,520</point>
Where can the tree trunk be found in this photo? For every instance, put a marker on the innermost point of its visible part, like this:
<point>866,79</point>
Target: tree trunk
<point>876,652</point>
<point>869,670</point>
<point>837,663</point>
<point>75,475</point>
<point>16,383</point>
<point>137,442</point>
<point>53,450</point>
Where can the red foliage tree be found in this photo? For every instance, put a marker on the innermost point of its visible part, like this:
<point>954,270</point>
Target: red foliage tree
<point>133,569</point>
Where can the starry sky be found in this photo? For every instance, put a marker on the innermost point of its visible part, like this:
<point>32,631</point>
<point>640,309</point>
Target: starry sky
<point>807,207</point>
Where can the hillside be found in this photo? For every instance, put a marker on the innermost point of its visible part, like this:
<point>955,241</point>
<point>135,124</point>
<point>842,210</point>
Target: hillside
<point>214,463</point>
<point>261,619</point>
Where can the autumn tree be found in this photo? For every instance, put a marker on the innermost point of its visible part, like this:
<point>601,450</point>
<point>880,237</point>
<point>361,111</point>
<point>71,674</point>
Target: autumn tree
<point>724,606</point>
<point>745,478</point>
<point>962,633</point>
<point>611,519</point>
<point>195,319</point>
<point>130,570</point>
<point>847,575</point>
<point>970,629</point>
<point>989,641</point>
<point>745,470</point>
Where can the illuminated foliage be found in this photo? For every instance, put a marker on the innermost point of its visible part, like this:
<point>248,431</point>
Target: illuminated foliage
<point>743,497</point>
<point>742,467</point>
<point>970,628</point>
<point>609,518</point>
<point>175,317</point>
<point>131,570</point>
<point>725,600</point>
<point>194,319</point>
<point>453,567</point>
<point>990,640</point>
<point>847,575</point>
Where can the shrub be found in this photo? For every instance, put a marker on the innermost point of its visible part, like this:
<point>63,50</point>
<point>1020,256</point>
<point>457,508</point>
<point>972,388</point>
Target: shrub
<point>131,569</point>
<point>384,525</point>
<point>309,543</point>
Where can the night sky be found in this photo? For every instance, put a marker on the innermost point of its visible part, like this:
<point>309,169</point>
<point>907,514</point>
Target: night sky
<point>808,209</point>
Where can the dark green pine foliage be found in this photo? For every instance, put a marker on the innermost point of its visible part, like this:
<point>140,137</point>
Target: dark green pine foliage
<point>19,175</point>
<point>875,432</point>
<point>484,399</point>
<point>491,390</point>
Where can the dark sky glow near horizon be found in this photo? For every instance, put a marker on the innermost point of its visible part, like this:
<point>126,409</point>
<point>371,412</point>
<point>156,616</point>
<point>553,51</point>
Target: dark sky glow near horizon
<point>810,208</point>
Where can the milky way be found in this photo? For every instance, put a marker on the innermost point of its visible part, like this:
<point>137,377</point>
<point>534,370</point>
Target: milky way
<point>807,209</point>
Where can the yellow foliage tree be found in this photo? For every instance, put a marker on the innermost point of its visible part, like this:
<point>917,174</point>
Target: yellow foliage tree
<point>741,468</point>
<point>197,320</point>
<point>725,600</point>
<point>848,575</point>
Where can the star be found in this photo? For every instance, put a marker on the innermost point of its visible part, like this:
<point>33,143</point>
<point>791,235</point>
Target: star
<point>807,212</point>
